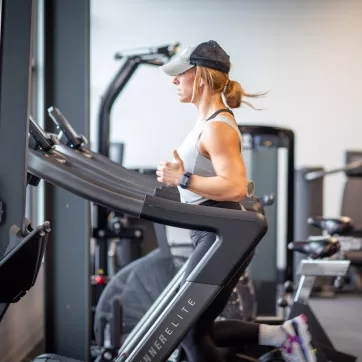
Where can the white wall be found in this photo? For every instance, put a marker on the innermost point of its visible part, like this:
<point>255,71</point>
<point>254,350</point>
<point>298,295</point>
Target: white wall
<point>308,54</point>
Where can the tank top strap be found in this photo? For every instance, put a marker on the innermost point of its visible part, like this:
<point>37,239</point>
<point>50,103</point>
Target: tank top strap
<point>219,111</point>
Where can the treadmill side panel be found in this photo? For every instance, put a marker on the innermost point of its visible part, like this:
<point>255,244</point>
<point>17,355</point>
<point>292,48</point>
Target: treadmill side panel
<point>176,320</point>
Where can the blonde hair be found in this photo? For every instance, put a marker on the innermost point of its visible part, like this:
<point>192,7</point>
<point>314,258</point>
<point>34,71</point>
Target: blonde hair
<point>219,82</point>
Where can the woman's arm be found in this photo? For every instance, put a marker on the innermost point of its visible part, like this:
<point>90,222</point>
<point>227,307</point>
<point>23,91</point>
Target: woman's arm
<point>221,144</point>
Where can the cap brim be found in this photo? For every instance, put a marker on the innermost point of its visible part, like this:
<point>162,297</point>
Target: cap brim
<point>176,67</point>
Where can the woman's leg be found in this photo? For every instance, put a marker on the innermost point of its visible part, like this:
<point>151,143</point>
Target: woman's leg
<point>198,343</point>
<point>201,341</point>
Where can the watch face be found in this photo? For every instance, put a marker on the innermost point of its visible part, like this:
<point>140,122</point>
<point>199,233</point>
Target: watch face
<point>185,180</point>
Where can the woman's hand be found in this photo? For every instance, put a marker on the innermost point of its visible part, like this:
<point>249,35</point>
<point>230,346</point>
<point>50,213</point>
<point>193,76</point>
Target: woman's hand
<point>169,173</point>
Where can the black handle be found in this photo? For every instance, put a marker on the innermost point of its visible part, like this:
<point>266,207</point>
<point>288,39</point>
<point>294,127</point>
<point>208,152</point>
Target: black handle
<point>315,175</point>
<point>168,50</point>
<point>42,139</point>
<point>73,139</point>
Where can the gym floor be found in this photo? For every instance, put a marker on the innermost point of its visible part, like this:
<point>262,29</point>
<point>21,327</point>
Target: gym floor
<point>341,317</point>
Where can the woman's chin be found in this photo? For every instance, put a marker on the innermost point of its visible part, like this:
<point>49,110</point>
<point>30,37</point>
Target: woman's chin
<point>183,99</point>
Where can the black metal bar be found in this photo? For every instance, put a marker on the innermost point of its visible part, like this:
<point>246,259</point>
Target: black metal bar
<point>289,273</point>
<point>104,124</point>
<point>114,89</point>
<point>67,262</point>
<point>15,73</point>
<point>315,175</point>
<point>133,58</point>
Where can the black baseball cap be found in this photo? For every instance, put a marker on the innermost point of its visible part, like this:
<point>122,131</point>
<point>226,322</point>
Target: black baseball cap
<point>208,54</point>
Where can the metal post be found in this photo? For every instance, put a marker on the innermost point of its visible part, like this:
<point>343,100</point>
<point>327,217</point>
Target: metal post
<point>67,284</point>
<point>308,203</point>
<point>15,71</point>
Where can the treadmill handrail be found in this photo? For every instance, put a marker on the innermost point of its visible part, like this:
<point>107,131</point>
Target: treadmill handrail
<point>231,227</point>
<point>117,181</point>
<point>58,174</point>
<point>164,211</point>
<point>116,174</point>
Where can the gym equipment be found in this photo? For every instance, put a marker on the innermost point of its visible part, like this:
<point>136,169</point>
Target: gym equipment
<point>316,251</point>
<point>162,263</point>
<point>319,263</point>
<point>102,234</point>
<point>108,171</point>
<point>132,58</point>
<point>204,284</point>
<point>351,245</point>
<point>115,248</point>
<point>121,243</point>
<point>269,158</point>
<point>310,191</point>
<point>76,157</point>
<point>13,115</point>
<point>22,244</point>
<point>309,198</point>
<point>26,251</point>
<point>137,290</point>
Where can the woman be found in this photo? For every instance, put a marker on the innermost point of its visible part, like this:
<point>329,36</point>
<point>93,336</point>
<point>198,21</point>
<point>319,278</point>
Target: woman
<point>209,170</point>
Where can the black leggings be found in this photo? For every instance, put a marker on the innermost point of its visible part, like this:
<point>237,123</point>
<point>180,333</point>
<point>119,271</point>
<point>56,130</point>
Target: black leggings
<point>200,344</point>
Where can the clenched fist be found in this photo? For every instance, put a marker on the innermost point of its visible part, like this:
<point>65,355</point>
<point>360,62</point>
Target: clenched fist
<point>169,173</point>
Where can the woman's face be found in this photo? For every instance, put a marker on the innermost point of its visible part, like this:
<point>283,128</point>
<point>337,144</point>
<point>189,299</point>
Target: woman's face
<point>184,83</point>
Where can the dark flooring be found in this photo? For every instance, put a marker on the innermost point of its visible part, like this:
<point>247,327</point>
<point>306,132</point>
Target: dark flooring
<point>341,318</point>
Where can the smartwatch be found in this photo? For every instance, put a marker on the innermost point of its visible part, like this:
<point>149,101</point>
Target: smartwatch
<point>185,180</point>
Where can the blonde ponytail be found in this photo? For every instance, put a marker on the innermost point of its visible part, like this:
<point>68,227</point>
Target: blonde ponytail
<point>219,82</point>
<point>234,94</point>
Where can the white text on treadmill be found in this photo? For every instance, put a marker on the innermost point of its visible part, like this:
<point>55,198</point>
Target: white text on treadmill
<point>152,352</point>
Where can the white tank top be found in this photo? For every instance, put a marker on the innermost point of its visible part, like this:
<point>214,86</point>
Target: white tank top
<point>194,161</point>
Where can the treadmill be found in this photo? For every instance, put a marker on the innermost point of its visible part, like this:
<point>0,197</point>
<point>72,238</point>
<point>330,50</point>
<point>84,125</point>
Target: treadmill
<point>74,146</point>
<point>171,317</point>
